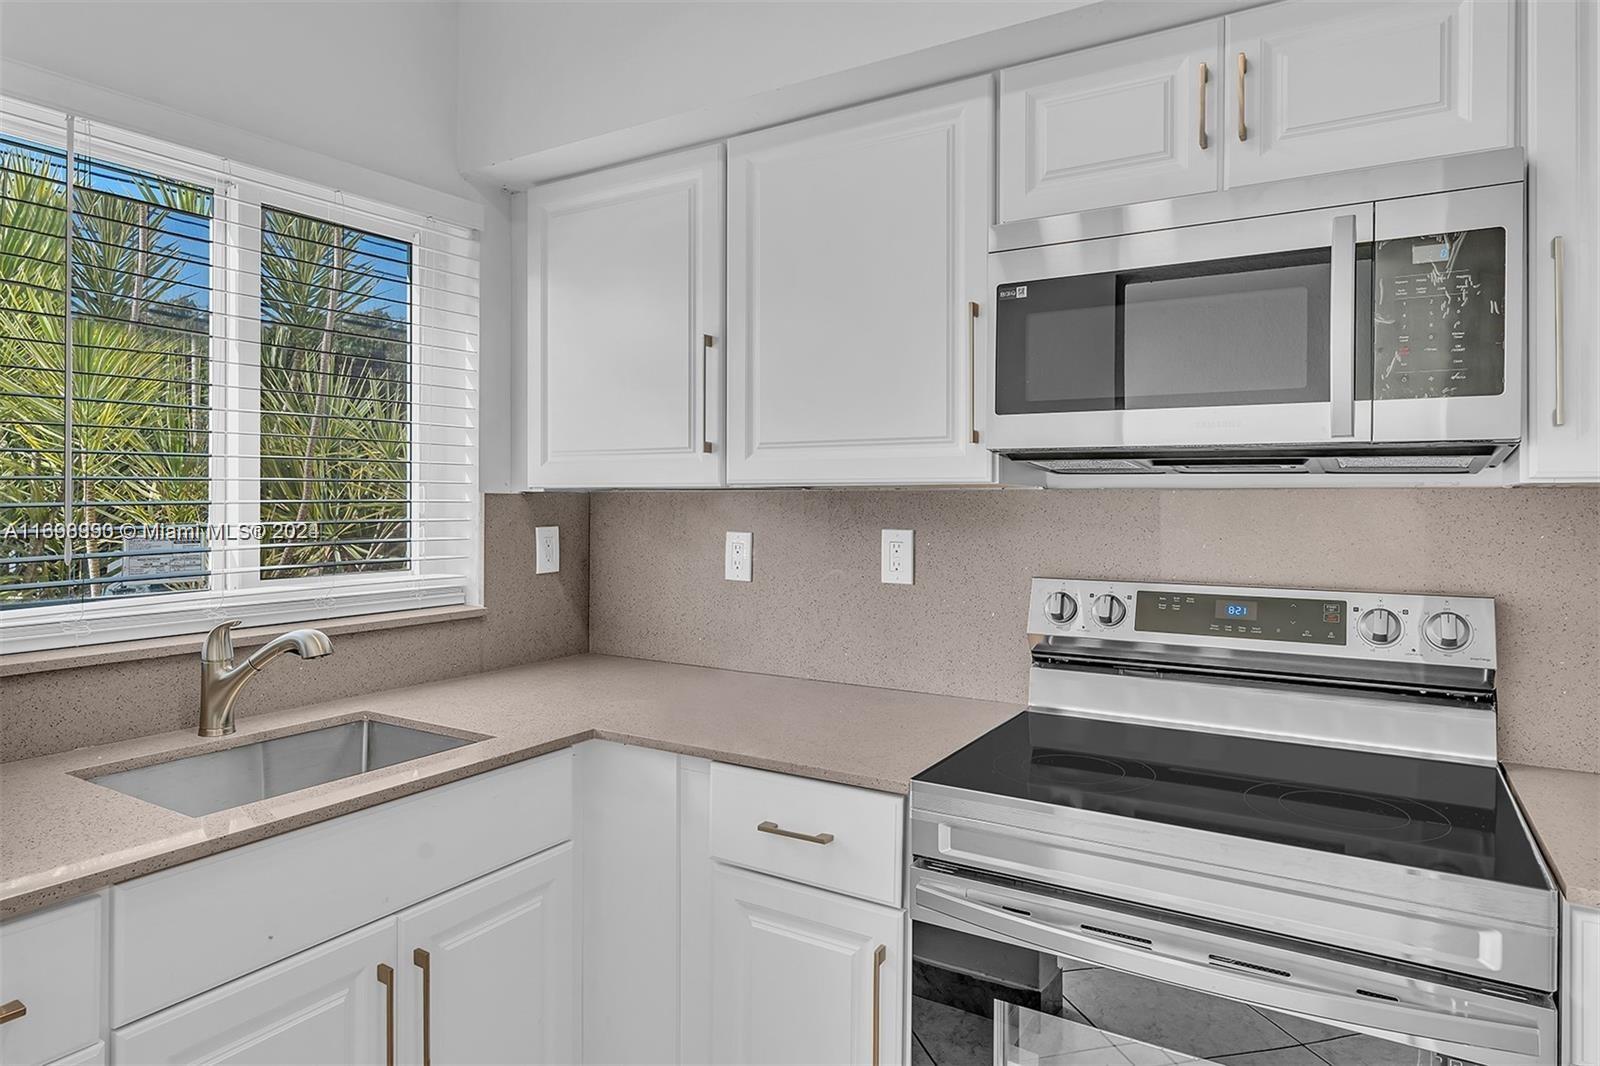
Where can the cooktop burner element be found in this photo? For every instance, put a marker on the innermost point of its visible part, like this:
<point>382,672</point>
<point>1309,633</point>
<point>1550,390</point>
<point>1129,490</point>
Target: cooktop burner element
<point>1364,814</point>
<point>1093,772</point>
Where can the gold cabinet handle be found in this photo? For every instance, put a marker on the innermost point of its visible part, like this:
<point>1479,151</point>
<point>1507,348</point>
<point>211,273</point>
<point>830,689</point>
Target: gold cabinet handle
<point>1558,253</point>
<point>1205,78</point>
<point>1243,66</point>
<point>424,962</point>
<point>809,838</point>
<point>972,367</point>
<point>877,996</point>
<point>11,1010</point>
<point>386,979</point>
<point>706,342</point>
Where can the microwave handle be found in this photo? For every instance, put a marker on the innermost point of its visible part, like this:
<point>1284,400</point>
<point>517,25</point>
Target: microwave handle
<point>1342,329</point>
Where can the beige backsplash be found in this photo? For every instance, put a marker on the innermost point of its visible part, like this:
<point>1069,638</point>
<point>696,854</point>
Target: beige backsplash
<point>529,618</point>
<point>816,609</point>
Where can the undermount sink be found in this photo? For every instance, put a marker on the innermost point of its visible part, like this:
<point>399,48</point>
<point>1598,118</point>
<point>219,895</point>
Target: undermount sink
<point>217,780</point>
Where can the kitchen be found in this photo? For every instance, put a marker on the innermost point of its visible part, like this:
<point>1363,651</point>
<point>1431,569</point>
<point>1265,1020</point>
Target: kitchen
<point>809,533</point>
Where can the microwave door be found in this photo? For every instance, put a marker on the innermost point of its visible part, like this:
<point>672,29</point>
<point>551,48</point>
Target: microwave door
<point>1236,333</point>
<point>1447,316</point>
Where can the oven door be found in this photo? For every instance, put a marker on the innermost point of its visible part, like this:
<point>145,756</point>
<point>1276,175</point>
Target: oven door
<point>1235,333</point>
<point>1144,986</point>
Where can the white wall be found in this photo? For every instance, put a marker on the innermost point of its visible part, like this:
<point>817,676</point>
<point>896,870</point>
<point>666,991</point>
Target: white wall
<point>541,76</point>
<point>372,84</point>
<point>357,96</point>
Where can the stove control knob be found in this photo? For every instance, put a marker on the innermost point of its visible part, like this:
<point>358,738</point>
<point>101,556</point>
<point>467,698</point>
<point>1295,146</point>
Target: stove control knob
<point>1379,627</point>
<point>1060,608</point>
<point>1447,631</point>
<point>1108,610</point>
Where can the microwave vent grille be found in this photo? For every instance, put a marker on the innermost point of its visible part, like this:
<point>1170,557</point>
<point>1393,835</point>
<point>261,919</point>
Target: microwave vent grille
<point>1096,466</point>
<point>1391,463</point>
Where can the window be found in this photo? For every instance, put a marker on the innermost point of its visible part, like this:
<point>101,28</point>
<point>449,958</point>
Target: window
<point>222,394</point>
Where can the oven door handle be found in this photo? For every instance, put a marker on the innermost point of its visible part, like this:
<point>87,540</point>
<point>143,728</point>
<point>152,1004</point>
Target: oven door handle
<point>1399,1020</point>
<point>1342,329</point>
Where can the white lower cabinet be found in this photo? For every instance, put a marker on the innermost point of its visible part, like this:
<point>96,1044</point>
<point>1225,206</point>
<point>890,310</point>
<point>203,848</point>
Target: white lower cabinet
<point>1580,984</point>
<point>52,969</point>
<point>480,974</point>
<point>326,1005</point>
<point>800,975</point>
<point>487,970</point>
<point>93,1055</point>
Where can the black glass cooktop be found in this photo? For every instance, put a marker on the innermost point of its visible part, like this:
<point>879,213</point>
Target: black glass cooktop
<point>1414,812</point>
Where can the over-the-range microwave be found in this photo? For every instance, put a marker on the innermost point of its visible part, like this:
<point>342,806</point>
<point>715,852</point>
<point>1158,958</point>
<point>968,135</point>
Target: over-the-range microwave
<point>1350,323</point>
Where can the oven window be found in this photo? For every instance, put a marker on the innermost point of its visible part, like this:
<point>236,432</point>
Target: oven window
<point>1224,333</point>
<point>1110,1018</point>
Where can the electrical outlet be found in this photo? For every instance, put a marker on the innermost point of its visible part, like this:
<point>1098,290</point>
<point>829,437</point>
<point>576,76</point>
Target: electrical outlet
<point>547,549</point>
<point>898,556</point>
<point>736,557</point>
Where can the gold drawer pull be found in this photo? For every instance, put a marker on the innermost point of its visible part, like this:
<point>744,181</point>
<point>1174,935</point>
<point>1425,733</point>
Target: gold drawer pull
<point>877,996</point>
<point>1244,65</point>
<point>809,838</point>
<point>424,962</point>
<point>386,979</point>
<point>10,1012</point>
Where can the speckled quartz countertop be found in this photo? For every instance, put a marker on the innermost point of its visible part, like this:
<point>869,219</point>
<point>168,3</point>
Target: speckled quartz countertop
<point>1563,807</point>
<point>62,835</point>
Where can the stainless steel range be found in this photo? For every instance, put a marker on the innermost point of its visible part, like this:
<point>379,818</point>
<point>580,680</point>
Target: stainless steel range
<point>1274,812</point>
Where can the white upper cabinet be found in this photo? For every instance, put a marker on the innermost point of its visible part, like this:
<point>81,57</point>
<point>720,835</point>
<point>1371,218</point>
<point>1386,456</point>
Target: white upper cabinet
<point>1137,120</point>
<point>857,247</point>
<point>1563,136</point>
<point>624,326</point>
<point>1329,86</point>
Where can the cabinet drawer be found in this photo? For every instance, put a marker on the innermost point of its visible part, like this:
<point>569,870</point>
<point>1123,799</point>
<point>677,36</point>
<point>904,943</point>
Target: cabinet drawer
<point>53,962</point>
<point>182,931</point>
<point>752,812</point>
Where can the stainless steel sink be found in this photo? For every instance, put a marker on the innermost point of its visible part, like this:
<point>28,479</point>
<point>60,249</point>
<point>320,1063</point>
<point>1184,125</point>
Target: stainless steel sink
<point>217,780</point>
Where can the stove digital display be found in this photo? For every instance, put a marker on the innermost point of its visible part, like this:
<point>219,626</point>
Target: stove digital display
<point>1304,621</point>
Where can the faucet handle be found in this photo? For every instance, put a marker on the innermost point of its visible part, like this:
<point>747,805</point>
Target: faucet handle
<point>219,642</point>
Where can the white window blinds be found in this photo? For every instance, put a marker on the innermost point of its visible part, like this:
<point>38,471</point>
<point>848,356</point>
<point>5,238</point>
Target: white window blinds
<point>223,393</point>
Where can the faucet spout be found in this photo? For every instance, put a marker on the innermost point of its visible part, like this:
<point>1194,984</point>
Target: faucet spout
<point>221,680</point>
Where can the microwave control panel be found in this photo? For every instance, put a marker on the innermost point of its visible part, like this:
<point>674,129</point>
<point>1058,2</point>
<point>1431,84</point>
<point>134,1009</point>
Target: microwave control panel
<point>1438,315</point>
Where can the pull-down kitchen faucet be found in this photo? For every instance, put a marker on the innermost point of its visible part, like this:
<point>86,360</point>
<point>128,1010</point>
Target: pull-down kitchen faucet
<point>220,680</point>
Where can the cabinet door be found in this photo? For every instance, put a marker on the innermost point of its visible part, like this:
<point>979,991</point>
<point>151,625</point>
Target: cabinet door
<point>1564,213</point>
<point>495,984</point>
<point>1339,86</point>
<point>1580,997</point>
<point>93,1055</point>
<point>798,976</point>
<point>1132,121</point>
<point>624,326</point>
<point>628,903</point>
<point>324,1005</point>
<point>856,243</point>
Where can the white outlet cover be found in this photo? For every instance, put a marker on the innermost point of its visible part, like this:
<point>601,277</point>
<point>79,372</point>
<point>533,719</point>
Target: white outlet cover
<point>899,556</point>
<point>736,559</point>
<point>547,549</point>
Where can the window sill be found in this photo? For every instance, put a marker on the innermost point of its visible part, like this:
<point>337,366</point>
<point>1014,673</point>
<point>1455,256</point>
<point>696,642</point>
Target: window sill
<point>37,662</point>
